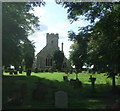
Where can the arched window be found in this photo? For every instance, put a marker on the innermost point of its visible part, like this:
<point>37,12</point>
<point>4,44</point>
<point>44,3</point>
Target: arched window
<point>51,62</point>
<point>64,65</point>
<point>48,61</point>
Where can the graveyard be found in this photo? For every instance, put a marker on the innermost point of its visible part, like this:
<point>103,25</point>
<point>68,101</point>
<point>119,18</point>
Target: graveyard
<point>60,55</point>
<point>38,91</point>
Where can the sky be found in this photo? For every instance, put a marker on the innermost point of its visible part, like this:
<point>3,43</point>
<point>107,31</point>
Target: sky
<point>53,19</point>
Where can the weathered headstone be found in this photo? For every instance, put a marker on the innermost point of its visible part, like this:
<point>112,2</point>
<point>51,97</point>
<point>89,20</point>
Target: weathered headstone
<point>15,72</point>
<point>39,92</point>
<point>76,83</point>
<point>36,70</point>
<point>15,98</point>
<point>65,78</point>
<point>61,100</point>
<point>20,71</point>
<point>11,71</point>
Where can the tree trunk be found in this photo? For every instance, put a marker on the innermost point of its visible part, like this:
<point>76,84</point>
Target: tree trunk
<point>28,72</point>
<point>113,81</point>
<point>76,76</point>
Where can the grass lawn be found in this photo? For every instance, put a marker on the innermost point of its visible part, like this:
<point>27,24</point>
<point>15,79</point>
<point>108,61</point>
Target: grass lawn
<point>78,98</point>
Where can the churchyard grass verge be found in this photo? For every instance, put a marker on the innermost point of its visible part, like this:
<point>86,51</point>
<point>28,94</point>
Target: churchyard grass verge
<point>81,98</point>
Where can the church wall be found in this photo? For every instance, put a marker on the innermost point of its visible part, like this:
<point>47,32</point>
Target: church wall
<point>47,52</point>
<point>43,54</point>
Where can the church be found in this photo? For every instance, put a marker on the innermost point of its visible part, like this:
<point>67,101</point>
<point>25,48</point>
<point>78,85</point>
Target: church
<point>44,61</point>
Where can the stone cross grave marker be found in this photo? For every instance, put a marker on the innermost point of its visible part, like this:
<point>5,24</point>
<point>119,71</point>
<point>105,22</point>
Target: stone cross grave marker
<point>61,100</point>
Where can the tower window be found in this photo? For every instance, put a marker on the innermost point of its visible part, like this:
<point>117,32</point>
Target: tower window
<point>52,41</point>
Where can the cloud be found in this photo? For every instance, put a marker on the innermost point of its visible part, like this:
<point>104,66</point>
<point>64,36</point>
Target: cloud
<point>62,25</point>
<point>66,46</point>
<point>39,39</point>
<point>38,11</point>
<point>62,34</point>
<point>43,27</point>
<point>50,1</point>
<point>80,22</point>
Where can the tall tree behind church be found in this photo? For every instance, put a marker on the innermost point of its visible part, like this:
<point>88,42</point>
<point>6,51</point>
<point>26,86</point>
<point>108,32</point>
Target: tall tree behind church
<point>58,58</point>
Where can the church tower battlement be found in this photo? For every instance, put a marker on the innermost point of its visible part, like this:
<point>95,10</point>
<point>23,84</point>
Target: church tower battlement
<point>52,39</point>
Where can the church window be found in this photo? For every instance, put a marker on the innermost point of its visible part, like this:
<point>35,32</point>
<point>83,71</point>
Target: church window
<point>52,41</point>
<point>64,65</point>
<point>48,61</point>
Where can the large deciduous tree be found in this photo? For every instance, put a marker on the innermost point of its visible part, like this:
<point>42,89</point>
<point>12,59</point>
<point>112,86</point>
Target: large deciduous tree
<point>107,38</point>
<point>17,24</point>
<point>58,58</point>
<point>79,50</point>
<point>103,49</point>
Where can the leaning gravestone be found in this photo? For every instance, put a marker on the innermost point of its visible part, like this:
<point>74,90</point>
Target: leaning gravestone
<point>61,100</point>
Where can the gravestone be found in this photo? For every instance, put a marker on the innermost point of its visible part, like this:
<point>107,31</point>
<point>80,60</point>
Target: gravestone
<point>76,83</point>
<point>61,100</point>
<point>23,89</point>
<point>11,71</point>
<point>15,98</point>
<point>36,70</point>
<point>15,72</point>
<point>65,78</point>
<point>20,71</point>
<point>17,95</point>
<point>39,92</point>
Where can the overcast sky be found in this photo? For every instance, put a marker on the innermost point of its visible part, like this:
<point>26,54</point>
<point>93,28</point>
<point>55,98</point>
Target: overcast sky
<point>53,19</point>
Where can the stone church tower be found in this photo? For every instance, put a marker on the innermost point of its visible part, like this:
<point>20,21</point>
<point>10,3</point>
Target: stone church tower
<point>44,59</point>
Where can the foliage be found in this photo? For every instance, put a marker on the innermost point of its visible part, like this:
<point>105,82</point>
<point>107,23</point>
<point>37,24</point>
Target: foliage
<point>91,10</point>
<point>17,24</point>
<point>28,54</point>
<point>78,54</point>
<point>58,58</point>
<point>108,41</point>
<point>101,48</point>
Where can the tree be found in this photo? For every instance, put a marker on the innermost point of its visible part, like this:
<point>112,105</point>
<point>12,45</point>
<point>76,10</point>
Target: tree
<point>28,55</point>
<point>17,24</point>
<point>107,41</point>
<point>91,10</point>
<point>78,54</point>
<point>58,58</point>
<point>103,44</point>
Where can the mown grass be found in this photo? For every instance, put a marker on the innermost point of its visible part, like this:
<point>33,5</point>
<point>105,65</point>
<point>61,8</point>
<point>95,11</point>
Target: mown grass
<point>78,98</point>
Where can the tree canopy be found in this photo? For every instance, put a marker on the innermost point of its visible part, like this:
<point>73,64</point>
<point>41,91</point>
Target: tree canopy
<point>17,24</point>
<point>91,10</point>
<point>99,42</point>
<point>58,58</point>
